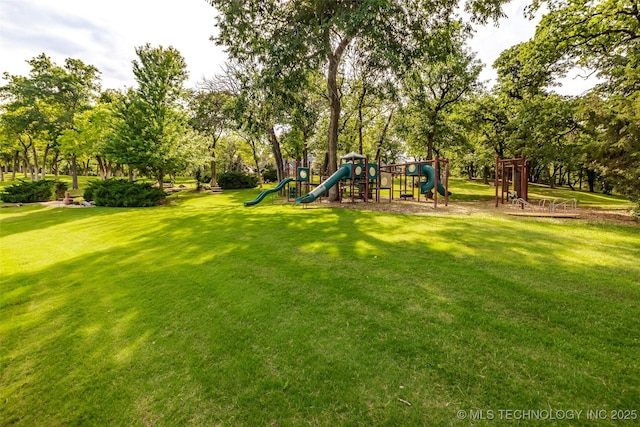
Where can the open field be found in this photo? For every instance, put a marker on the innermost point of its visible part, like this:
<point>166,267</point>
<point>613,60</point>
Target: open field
<point>204,312</point>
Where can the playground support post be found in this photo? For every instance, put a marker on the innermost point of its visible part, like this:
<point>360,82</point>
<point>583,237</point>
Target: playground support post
<point>513,164</point>
<point>446,183</point>
<point>435,181</point>
<point>524,180</point>
<point>496,178</point>
<point>436,167</point>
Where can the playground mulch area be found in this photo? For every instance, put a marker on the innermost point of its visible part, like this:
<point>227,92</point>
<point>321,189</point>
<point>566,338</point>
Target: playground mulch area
<point>601,215</point>
<point>619,216</point>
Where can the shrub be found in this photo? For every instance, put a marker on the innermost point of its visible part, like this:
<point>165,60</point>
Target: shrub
<point>60,189</point>
<point>123,193</point>
<point>231,180</point>
<point>270,174</point>
<point>36,191</point>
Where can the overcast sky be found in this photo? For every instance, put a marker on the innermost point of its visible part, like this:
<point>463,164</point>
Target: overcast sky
<point>105,34</point>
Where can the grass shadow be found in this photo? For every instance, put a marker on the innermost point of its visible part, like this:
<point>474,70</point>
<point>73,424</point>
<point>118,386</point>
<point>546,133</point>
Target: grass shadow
<point>206,312</point>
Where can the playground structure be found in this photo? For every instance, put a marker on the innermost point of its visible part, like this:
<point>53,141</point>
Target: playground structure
<point>359,180</point>
<point>516,171</point>
<point>423,175</point>
<point>263,194</point>
<point>355,175</point>
<point>507,170</point>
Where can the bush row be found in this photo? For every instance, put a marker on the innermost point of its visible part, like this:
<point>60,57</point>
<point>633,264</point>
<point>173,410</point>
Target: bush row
<point>32,192</point>
<point>123,193</point>
<point>111,192</point>
<point>232,180</point>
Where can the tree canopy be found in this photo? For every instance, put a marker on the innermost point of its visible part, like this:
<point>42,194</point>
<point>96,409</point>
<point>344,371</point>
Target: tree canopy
<point>153,134</point>
<point>290,38</point>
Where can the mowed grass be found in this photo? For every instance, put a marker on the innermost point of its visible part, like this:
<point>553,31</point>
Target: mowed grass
<point>208,313</point>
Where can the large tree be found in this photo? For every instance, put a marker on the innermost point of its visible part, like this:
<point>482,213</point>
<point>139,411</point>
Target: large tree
<point>88,138</point>
<point>153,135</point>
<point>257,107</point>
<point>208,116</point>
<point>290,37</point>
<point>599,35</point>
<point>602,36</point>
<point>436,84</point>
<point>38,108</point>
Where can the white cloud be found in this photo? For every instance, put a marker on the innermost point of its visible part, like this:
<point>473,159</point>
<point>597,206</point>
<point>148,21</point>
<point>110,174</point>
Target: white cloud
<point>106,33</point>
<point>492,39</point>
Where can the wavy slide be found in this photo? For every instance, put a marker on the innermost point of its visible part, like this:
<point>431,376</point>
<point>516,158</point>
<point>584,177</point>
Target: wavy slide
<point>342,173</point>
<point>262,195</point>
<point>430,173</point>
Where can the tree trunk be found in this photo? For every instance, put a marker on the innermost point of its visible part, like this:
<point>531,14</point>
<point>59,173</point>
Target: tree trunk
<point>305,149</point>
<point>16,164</point>
<point>101,170</point>
<point>580,177</point>
<point>256,160</point>
<point>560,176</point>
<point>44,161</point>
<point>360,119</point>
<point>569,183</point>
<point>26,165</point>
<point>74,172</point>
<point>104,167</point>
<point>277,153</point>
<point>334,109</point>
<point>552,178</point>
<point>213,164</point>
<point>485,174</point>
<point>538,175</point>
<point>56,163</point>
<point>25,158</point>
<point>591,179</point>
<point>430,138</point>
<point>325,165</point>
<point>36,166</point>
<point>214,170</point>
<point>383,136</point>
<point>334,119</point>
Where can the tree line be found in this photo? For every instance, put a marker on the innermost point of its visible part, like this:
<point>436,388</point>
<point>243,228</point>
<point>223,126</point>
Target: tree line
<point>308,80</point>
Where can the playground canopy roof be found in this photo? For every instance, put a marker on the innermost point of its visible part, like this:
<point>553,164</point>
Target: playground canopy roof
<point>353,156</point>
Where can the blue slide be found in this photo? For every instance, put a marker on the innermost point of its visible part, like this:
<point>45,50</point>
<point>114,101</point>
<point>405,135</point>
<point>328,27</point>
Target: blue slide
<point>342,173</point>
<point>262,195</point>
<point>430,173</point>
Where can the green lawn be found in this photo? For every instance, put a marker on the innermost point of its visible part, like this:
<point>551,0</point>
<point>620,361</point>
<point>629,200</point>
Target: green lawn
<point>208,313</point>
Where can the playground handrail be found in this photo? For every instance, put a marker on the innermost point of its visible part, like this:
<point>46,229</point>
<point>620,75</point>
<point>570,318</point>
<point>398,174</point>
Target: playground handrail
<point>571,204</point>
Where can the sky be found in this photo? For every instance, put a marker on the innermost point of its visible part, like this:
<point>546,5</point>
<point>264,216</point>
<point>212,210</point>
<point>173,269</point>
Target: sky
<point>105,34</point>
